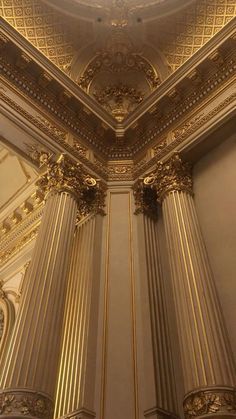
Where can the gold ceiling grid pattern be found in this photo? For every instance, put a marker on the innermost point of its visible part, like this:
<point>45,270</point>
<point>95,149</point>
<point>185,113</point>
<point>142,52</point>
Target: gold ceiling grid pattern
<point>41,26</point>
<point>179,37</point>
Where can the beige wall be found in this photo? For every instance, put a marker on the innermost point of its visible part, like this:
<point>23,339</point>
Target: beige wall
<point>116,383</point>
<point>215,198</point>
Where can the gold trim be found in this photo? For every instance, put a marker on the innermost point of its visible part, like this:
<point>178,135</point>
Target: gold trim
<point>133,313</point>
<point>106,305</point>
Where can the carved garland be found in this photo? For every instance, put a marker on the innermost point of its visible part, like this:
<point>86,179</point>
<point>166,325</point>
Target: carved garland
<point>25,403</point>
<point>118,62</point>
<point>218,401</point>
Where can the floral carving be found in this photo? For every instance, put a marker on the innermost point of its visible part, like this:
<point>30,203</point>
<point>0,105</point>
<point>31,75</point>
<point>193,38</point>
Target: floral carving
<point>23,403</point>
<point>119,62</point>
<point>210,401</point>
<point>66,175</point>
<point>119,100</point>
<point>170,176</point>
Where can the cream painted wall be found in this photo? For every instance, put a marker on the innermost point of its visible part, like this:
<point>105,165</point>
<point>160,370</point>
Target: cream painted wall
<point>215,197</point>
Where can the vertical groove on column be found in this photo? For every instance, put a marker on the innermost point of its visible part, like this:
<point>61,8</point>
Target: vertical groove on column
<point>41,309</point>
<point>205,350</point>
<point>165,387</point>
<point>72,373</point>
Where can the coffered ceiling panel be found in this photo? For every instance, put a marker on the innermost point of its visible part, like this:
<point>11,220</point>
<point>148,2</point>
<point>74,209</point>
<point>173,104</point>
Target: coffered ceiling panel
<point>181,35</point>
<point>118,51</point>
<point>45,28</point>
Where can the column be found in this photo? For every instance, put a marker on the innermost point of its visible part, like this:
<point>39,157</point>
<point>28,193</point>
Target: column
<point>163,366</point>
<point>28,374</point>
<point>208,368</point>
<point>76,383</point>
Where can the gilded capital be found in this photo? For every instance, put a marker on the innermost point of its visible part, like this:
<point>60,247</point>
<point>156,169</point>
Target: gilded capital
<point>170,176</point>
<point>64,175</point>
<point>145,199</point>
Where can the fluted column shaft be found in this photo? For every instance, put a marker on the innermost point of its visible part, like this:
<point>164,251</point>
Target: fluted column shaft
<point>73,397</point>
<point>165,386</point>
<point>205,350</point>
<point>32,359</point>
<point>208,367</point>
<point>28,374</point>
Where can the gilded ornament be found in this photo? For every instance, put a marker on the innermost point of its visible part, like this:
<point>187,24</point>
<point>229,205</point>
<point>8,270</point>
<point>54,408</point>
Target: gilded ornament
<point>170,176</point>
<point>21,403</point>
<point>155,128</point>
<point>173,175</point>
<point>221,401</point>
<point>119,100</point>
<point>10,252</point>
<point>119,62</point>
<point>145,198</point>
<point>64,175</point>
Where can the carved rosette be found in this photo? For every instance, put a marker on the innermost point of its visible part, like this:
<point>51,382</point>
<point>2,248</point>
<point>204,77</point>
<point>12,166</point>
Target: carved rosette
<point>64,175</point>
<point>218,401</point>
<point>25,403</point>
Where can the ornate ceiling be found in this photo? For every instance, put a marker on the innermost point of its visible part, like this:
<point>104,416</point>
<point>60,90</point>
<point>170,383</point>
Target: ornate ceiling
<point>118,85</point>
<point>118,52</point>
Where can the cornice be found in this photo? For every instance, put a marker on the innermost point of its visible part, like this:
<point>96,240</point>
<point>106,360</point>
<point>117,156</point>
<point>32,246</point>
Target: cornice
<point>56,74</point>
<point>20,236</point>
<point>58,136</point>
<point>174,105</point>
<point>114,170</point>
<point>181,73</point>
<point>184,107</point>
<point>189,133</point>
<point>98,113</point>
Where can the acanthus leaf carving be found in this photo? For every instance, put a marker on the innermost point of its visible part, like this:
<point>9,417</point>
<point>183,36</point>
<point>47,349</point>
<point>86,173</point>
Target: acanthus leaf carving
<point>209,401</point>
<point>64,175</point>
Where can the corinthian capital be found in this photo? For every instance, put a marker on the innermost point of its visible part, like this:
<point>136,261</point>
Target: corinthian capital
<point>64,175</point>
<point>172,175</point>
